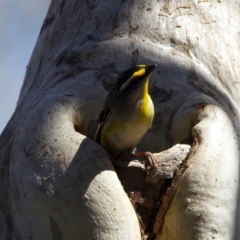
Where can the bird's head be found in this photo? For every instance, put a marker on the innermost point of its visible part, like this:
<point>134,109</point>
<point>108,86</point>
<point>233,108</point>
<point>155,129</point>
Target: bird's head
<point>132,81</point>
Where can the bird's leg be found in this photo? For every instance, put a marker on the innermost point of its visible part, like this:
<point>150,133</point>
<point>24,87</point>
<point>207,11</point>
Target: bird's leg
<point>152,161</point>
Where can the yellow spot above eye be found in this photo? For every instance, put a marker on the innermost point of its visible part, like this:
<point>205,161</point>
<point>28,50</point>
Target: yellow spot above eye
<point>139,73</point>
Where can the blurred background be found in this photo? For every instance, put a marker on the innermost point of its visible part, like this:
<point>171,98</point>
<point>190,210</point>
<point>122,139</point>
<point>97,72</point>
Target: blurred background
<point>20,24</point>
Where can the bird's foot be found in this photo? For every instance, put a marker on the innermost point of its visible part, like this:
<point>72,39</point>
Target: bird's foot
<point>151,160</point>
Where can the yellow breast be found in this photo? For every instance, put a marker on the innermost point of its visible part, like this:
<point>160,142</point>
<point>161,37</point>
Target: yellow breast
<point>123,131</point>
<point>146,111</point>
<point>146,107</point>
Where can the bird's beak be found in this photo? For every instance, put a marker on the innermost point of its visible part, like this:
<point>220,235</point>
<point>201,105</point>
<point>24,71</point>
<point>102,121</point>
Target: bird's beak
<point>150,68</point>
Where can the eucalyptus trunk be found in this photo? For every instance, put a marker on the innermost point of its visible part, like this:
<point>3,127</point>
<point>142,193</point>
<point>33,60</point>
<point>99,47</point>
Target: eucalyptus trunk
<point>57,183</point>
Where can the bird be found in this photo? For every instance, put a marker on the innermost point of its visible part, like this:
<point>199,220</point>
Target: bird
<point>127,114</point>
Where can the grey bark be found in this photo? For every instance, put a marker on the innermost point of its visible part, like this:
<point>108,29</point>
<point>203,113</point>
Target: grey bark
<point>56,183</point>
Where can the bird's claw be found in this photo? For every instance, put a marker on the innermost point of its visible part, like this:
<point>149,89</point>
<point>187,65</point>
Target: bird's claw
<point>151,160</point>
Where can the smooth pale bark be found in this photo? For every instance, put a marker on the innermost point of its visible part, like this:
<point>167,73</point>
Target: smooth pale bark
<point>205,204</point>
<point>62,186</point>
<point>57,184</point>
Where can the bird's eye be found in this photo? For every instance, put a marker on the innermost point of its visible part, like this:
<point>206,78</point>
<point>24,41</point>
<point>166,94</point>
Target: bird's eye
<point>132,77</point>
<point>134,81</point>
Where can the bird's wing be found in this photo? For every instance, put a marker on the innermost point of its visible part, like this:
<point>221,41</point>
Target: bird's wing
<point>104,115</point>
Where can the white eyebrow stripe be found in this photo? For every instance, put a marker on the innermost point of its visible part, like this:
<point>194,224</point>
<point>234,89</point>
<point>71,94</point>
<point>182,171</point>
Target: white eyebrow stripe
<point>124,85</point>
<point>139,73</point>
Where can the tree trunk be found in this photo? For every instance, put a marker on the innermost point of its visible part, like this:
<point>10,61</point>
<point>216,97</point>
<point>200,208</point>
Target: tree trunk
<point>59,184</point>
